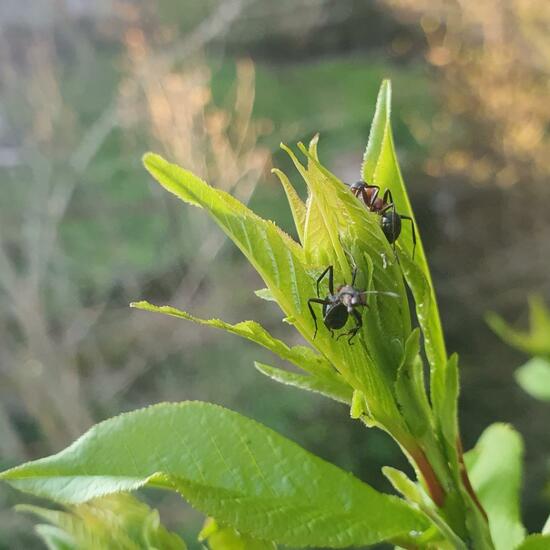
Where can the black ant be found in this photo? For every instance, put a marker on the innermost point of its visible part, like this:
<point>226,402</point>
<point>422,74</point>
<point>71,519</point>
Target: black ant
<point>339,305</point>
<point>390,219</point>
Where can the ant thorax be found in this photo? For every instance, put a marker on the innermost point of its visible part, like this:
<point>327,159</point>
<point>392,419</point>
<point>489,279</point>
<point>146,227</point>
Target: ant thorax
<point>377,204</point>
<point>370,195</point>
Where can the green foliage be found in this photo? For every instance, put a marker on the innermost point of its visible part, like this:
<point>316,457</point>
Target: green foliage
<point>535,542</point>
<point>228,467</point>
<point>380,167</point>
<point>114,522</point>
<point>219,537</point>
<point>414,494</point>
<point>322,378</point>
<point>495,466</point>
<point>262,487</point>
<point>290,276</point>
<point>330,387</point>
<point>533,376</point>
<point>535,341</point>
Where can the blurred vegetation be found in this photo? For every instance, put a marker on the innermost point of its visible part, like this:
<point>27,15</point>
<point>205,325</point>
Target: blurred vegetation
<point>533,376</point>
<point>215,86</point>
<point>117,522</point>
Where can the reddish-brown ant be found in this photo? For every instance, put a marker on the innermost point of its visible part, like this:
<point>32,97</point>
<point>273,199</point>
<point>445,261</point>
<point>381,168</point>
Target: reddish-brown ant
<point>390,219</point>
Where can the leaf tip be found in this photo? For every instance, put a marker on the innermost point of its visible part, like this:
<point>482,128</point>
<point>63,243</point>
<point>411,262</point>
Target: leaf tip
<point>149,158</point>
<point>142,304</point>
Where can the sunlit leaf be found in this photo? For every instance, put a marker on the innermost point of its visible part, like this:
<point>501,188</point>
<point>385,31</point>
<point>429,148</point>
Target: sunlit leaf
<point>495,469</point>
<point>301,356</point>
<point>329,385</point>
<point>322,244</point>
<point>228,467</point>
<point>292,280</point>
<point>265,294</point>
<point>380,167</point>
<point>297,207</point>
<point>410,388</point>
<point>445,392</point>
<point>278,259</point>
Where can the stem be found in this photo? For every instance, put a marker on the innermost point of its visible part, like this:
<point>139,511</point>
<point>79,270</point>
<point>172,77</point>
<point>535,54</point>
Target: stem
<point>433,485</point>
<point>466,479</point>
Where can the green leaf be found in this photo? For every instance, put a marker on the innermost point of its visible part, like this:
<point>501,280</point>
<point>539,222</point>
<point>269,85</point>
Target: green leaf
<point>279,260</point>
<point>265,294</point>
<point>445,393</point>
<point>281,263</point>
<point>322,244</point>
<point>301,356</point>
<point>290,273</point>
<point>535,341</point>
<point>535,542</point>
<point>380,167</point>
<point>410,389</point>
<point>328,385</point>
<point>494,467</point>
<point>297,207</point>
<point>534,378</point>
<point>226,538</point>
<point>428,318</point>
<point>401,483</point>
<point>414,494</point>
<point>386,326</point>
<point>228,467</point>
<point>117,521</point>
<point>358,408</point>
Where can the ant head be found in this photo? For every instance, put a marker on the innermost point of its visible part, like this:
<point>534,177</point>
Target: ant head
<point>357,188</point>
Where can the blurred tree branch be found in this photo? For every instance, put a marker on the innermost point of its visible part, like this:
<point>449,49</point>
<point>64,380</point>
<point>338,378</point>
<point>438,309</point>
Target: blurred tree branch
<point>50,327</point>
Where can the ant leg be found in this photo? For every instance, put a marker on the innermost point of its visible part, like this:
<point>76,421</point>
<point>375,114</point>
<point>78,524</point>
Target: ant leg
<point>312,311</point>
<point>413,231</point>
<point>358,320</point>
<point>388,197</point>
<point>328,270</point>
<point>358,325</point>
<point>369,201</point>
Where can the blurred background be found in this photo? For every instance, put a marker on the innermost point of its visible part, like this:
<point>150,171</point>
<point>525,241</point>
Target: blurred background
<point>88,87</point>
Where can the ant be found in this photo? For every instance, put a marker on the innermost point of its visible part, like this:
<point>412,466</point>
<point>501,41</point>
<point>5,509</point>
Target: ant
<point>390,219</point>
<point>339,305</point>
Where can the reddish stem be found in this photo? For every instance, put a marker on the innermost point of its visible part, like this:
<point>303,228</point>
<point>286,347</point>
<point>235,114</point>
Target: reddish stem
<point>465,478</point>
<point>432,483</point>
